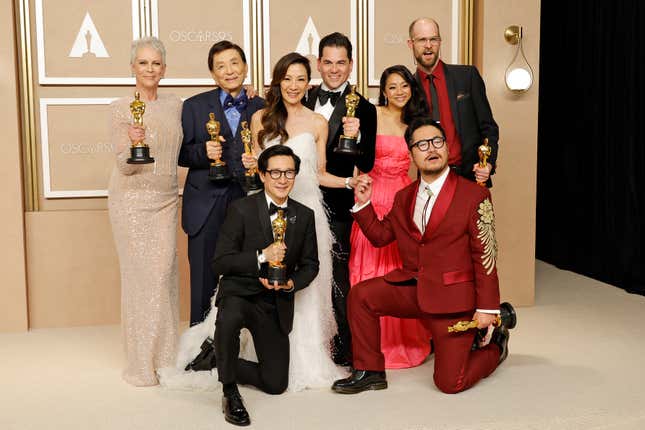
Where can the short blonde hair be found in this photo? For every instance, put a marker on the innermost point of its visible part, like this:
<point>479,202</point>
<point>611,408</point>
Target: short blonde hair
<point>152,42</point>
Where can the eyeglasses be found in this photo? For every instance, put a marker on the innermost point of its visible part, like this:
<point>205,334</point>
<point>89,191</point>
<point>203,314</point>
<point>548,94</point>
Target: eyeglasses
<point>422,41</point>
<point>424,144</point>
<point>277,174</point>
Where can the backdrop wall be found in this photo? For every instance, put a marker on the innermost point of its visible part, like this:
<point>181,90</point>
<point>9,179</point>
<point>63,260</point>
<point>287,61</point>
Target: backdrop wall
<point>71,265</point>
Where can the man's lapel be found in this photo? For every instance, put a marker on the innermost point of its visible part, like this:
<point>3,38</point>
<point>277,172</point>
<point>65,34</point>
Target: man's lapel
<point>312,96</point>
<point>452,95</point>
<point>411,200</point>
<point>336,118</point>
<point>421,88</point>
<point>440,208</point>
<point>291,232</point>
<point>220,116</point>
<point>263,215</point>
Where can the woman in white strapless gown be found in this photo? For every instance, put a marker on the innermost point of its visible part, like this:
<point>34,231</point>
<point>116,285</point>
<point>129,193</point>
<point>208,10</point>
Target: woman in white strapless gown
<point>286,121</point>
<point>314,325</point>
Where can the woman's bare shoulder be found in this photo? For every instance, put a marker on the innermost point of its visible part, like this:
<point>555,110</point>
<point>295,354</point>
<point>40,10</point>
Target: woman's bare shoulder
<point>319,120</point>
<point>258,114</point>
<point>256,119</point>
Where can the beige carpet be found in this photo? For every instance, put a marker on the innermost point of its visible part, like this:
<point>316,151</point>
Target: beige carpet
<point>577,362</point>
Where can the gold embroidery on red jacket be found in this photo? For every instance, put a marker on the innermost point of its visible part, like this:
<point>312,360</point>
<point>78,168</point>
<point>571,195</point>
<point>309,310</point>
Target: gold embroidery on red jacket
<point>486,227</point>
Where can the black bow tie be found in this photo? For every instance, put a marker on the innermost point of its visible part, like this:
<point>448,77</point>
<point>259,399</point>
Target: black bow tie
<point>332,96</point>
<point>238,103</point>
<point>273,209</point>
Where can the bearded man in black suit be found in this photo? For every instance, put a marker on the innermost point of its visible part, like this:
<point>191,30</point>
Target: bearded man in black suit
<point>204,201</point>
<point>456,98</point>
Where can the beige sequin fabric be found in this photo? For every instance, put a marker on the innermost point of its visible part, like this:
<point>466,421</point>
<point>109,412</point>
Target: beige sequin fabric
<point>142,202</point>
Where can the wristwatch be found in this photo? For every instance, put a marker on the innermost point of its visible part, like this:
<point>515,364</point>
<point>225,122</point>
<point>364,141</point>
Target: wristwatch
<point>347,185</point>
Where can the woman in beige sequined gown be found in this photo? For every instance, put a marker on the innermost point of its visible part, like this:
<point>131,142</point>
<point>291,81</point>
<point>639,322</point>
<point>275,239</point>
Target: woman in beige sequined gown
<point>142,202</point>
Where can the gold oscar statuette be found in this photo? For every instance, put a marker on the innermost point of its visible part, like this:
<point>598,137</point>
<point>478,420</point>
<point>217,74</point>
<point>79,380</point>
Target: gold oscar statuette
<point>484,152</point>
<point>467,325</point>
<point>506,317</point>
<point>251,179</point>
<point>139,151</point>
<point>277,272</point>
<point>218,171</point>
<point>348,144</point>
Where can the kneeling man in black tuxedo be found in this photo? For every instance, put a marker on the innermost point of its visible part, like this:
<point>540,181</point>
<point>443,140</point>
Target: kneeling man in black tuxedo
<point>245,298</point>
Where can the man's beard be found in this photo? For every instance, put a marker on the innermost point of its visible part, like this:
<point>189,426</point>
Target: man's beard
<point>433,171</point>
<point>428,65</point>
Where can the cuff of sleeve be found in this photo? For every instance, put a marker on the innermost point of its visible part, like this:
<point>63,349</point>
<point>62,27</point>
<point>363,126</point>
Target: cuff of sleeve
<point>357,207</point>
<point>488,311</point>
<point>290,289</point>
<point>261,258</point>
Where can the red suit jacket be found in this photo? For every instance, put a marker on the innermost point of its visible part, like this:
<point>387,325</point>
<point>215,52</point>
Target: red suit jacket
<point>454,262</point>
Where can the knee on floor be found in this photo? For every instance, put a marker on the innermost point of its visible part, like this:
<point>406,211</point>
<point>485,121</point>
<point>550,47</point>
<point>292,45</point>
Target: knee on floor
<point>275,387</point>
<point>448,386</point>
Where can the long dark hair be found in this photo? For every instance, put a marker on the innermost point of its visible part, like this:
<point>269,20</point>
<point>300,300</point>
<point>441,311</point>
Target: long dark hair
<point>274,118</point>
<point>416,106</point>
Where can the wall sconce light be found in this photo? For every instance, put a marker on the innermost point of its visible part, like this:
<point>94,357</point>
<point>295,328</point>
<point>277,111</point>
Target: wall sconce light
<point>519,75</point>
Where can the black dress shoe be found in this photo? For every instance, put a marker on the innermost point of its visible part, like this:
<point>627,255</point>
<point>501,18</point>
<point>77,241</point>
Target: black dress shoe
<point>234,410</point>
<point>500,338</point>
<point>206,358</point>
<point>360,380</point>
<point>507,315</point>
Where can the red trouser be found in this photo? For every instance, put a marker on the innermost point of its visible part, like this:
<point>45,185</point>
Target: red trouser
<point>456,367</point>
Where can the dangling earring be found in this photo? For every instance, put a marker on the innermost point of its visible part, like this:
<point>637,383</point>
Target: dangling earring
<point>385,101</point>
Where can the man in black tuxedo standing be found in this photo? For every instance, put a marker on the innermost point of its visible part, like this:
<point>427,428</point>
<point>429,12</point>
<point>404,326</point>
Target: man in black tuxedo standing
<point>335,65</point>
<point>245,298</point>
<point>456,98</point>
<point>205,202</point>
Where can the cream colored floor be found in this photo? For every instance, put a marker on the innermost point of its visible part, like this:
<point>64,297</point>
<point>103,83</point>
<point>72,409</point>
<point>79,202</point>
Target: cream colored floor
<point>577,362</point>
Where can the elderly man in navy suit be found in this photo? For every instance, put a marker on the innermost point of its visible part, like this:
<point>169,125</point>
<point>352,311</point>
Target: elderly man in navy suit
<point>205,202</point>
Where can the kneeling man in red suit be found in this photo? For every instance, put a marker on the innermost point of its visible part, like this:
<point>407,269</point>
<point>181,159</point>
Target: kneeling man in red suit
<point>445,231</point>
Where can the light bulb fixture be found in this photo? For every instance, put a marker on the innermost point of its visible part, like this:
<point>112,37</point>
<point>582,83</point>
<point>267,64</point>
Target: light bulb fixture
<point>519,75</point>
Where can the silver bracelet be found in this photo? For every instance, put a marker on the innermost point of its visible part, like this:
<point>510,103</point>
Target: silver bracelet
<point>347,185</point>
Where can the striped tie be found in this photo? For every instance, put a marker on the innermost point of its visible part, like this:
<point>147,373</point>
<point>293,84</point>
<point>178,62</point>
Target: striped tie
<point>424,216</point>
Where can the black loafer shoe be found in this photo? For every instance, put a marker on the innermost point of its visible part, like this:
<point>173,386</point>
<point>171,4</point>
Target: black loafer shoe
<point>360,380</point>
<point>206,358</point>
<point>234,410</point>
<point>500,338</point>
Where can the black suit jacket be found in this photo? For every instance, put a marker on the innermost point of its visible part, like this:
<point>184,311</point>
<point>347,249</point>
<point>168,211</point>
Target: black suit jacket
<point>247,229</point>
<point>340,200</point>
<point>471,113</point>
<point>199,192</point>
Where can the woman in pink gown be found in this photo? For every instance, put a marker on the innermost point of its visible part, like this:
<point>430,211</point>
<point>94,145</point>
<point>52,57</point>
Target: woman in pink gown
<point>404,342</point>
